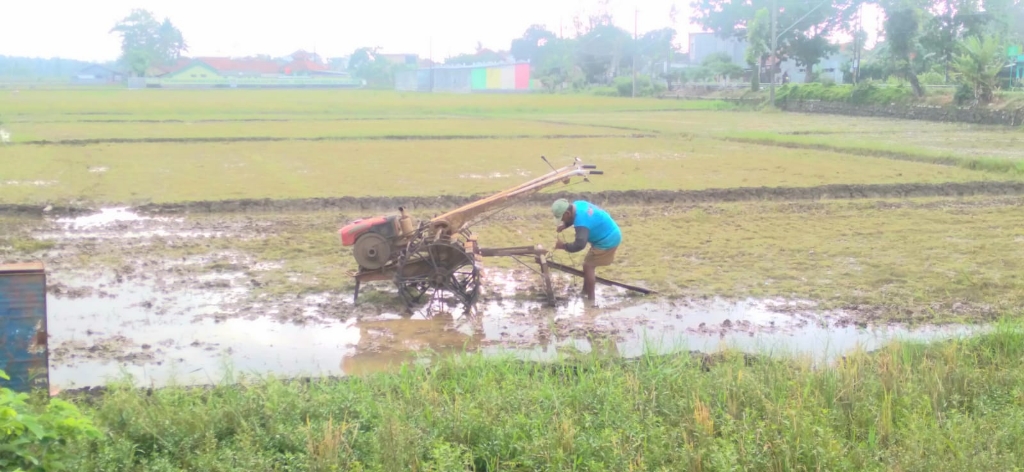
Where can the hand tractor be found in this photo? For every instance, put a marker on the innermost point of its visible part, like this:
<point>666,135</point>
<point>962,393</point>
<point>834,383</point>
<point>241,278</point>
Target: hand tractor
<point>436,260</point>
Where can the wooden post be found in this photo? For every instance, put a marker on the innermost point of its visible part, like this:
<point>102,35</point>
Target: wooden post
<point>549,289</point>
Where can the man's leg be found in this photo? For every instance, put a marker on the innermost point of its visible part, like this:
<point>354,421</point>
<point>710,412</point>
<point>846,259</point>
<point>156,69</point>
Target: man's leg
<point>589,280</point>
<point>595,258</point>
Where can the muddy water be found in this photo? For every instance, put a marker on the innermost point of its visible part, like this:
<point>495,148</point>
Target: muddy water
<point>160,326</point>
<point>160,337</point>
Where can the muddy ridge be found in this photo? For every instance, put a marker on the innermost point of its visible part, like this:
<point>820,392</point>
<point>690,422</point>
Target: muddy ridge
<point>397,137</point>
<point>244,120</point>
<point>610,197</point>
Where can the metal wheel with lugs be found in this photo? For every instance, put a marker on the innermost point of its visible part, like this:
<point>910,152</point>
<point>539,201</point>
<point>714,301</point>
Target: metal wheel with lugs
<point>438,274</point>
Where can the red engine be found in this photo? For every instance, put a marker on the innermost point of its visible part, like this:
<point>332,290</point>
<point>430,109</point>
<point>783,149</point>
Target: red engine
<point>352,231</point>
<point>373,239</point>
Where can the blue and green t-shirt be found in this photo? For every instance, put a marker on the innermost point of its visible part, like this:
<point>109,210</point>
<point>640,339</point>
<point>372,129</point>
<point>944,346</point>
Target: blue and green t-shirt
<point>603,231</point>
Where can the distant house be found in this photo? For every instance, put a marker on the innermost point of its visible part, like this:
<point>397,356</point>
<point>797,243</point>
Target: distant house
<point>400,59</point>
<point>235,72</point>
<point>828,67</point>
<point>703,45</point>
<point>97,74</point>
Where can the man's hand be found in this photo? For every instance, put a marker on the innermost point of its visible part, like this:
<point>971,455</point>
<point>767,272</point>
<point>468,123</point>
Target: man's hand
<point>559,244</point>
<point>561,228</point>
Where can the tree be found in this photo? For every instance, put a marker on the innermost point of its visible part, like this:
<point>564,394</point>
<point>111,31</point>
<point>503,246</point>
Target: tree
<point>556,64</point>
<point>950,23</point>
<point>655,46</point>
<point>366,64</point>
<point>720,64</point>
<point>978,64</point>
<point>145,42</point>
<point>758,44</point>
<point>901,32</point>
<point>1006,18</point>
<point>602,50</point>
<point>810,23</point>
<point>526,47</point>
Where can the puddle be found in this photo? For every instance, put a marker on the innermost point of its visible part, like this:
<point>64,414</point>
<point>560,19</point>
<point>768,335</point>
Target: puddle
<point>122,223</point>
<point>30,183</point>
<point>188,336</point>
<point>494,175</point>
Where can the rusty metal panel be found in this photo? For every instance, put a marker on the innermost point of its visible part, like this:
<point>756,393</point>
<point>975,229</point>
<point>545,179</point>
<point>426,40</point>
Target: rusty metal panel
<point>23,350</point>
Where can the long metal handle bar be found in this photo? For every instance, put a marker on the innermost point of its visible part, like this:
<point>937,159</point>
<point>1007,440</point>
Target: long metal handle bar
<point>455,219</point>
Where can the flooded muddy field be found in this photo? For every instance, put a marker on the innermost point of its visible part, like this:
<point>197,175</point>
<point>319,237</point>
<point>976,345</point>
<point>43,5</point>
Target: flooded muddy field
<point>188,317</point>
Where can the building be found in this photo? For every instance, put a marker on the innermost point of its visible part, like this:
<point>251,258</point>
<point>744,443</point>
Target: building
<point>400,59</point>
<point>1015,54</point>
<point>829,67</point>
<point>96,74</point>
<point>503,77</point>
<point>703,45</point>
<point>299,71</point>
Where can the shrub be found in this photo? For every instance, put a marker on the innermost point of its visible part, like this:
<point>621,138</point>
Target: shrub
<point>964,94</point>
<point>33,441</point>
<point>865,93</point>
<point>605,91</point>
<point>931,78</point>
<point>645,87</point>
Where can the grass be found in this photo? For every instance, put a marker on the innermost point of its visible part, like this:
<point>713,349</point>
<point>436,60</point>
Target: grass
<point>114,103</point>
<point>884,148</point>
<point>950,406</point>
<point>435,126</point>
<point>159,172</point>
<point>884,260</point>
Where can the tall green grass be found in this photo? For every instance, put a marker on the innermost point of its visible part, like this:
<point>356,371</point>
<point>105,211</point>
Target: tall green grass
<point>957,405</point>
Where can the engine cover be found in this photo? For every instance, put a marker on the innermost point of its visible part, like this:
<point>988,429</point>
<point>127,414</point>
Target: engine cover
<point>386,226</point>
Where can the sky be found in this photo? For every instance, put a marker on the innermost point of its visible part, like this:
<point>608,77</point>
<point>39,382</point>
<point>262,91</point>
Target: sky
<point>437,29</point>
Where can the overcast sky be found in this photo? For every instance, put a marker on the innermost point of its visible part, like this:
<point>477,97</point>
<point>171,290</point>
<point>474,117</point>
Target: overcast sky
<point>79,30</point>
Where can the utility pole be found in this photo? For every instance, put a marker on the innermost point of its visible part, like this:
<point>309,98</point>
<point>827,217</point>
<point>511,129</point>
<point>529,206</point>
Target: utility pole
<point>771,76</point>
<point>636,12</point>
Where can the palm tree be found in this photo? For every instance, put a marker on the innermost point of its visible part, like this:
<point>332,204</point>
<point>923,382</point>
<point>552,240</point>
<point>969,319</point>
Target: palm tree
<point>978,65</point>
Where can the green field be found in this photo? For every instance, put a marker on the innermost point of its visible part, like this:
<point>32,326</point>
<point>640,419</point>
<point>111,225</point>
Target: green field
<point>876,255</point>
<point>212,145</point>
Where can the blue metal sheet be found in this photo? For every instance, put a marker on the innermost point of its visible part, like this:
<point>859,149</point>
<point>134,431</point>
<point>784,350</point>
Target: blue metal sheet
<point>23,350</point>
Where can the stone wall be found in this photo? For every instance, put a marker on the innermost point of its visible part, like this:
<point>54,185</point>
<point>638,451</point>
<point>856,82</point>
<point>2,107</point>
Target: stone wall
<point>979,116</point>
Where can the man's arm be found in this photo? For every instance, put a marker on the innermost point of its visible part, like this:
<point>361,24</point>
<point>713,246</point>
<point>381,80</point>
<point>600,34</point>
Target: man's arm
<point>580,242</point>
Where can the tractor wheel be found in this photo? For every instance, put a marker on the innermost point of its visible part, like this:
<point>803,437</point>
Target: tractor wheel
<point>440,275</point>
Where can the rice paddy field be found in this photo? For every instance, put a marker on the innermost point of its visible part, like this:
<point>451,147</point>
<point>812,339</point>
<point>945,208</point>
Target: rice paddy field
<point>832,293</point>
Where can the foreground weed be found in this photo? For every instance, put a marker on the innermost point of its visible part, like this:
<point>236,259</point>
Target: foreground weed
<point>949,406</point>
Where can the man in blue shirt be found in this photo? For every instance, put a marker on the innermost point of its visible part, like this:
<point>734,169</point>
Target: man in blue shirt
<point>593,225</point>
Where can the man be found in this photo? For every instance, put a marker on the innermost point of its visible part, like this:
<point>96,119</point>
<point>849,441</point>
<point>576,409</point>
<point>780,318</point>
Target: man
<point>593,225</point>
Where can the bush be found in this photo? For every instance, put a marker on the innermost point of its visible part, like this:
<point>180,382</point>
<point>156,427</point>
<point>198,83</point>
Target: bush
<point>964,94</point>
<point>865,93</point>
<point>605,91</point>
<point>30,441</point>
<point>645,87</point>
<point>931,78</point>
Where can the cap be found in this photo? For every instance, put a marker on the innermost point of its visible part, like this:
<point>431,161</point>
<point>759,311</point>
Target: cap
<point>559,207</point>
